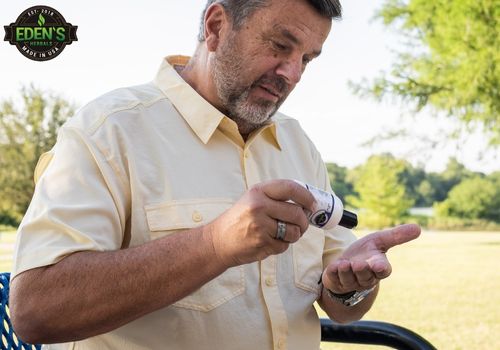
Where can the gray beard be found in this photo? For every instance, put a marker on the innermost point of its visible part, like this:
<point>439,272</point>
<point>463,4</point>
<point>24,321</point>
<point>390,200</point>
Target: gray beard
<point>235,98</point>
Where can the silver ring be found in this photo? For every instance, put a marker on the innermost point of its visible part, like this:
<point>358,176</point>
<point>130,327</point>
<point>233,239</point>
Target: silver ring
<point>280,233</point>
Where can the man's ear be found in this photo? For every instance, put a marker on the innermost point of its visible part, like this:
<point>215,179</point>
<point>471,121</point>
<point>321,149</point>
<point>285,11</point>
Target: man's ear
<point>216,21</point>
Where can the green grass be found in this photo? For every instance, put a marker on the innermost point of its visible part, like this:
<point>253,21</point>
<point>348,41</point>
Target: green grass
<point>444,286</point>
<point>7,240</point>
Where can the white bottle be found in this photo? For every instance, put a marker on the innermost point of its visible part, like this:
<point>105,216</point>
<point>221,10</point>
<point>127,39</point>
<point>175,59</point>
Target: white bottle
<point>328,211</point>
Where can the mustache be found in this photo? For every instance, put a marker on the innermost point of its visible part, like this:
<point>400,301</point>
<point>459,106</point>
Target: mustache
<point>278,83</point>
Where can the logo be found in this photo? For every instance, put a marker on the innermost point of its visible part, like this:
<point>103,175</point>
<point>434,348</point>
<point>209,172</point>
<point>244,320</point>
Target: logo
<point>40,33</point>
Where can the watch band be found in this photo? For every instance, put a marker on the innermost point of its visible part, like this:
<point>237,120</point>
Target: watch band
<point>351,298</point>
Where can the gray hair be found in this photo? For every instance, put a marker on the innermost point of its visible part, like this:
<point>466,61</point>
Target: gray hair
<point>240,10</point>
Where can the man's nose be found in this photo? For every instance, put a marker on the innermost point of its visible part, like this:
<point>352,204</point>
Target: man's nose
<point>291,70</point>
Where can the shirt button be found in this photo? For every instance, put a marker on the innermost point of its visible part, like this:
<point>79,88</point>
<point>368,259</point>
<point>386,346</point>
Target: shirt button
<point>269,281</point>
<point>281,344</point>
<point>246,155</point>
<point>197,217</point>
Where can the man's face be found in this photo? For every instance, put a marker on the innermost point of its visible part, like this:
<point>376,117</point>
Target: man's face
<point>256,67</point>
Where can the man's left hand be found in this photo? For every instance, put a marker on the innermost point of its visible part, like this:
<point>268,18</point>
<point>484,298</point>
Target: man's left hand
<point>364,263</point>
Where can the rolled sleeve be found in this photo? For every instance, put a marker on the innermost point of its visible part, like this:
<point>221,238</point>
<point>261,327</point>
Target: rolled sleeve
<point>78,205</point>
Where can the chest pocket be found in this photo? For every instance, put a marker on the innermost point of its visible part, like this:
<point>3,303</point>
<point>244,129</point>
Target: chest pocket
<point>175,216</point>
<point>308,259</point>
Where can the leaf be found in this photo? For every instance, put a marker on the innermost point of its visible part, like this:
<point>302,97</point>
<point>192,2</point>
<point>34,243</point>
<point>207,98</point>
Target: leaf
<point>41,20</point>
<point>449,64</point>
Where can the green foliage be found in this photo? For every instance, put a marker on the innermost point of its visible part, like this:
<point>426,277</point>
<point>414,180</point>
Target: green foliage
<point>495,178</point>
<point>338,180</point>
<point>451,60</point>
<point>428,188</point>
<point>441,183</point>
<point>473,198</point>
<point>461,224</point>
<point>462,199</point>
<point>412,178</point>
<point>420,220</point>
<point>26,133</point>
<point>426,193</point>
<point>381,193</point>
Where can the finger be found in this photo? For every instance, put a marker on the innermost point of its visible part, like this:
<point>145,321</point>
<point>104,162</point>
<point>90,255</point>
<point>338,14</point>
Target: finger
<point>331,280</point>
<point>346,276</point>
<point>364,275</point>
<point>380,266</point>
<point>288,190</point>
<point>288,212</point>
<point>398,235</point>
<point>277,246</point>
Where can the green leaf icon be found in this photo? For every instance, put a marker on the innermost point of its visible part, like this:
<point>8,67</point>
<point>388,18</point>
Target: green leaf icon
<point>41,20</point>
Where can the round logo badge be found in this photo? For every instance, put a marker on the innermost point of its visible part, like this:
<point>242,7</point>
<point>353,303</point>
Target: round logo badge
<point>40,33</point>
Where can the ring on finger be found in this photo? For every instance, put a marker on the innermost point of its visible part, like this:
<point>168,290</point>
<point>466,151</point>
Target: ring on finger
<point>281,231</point>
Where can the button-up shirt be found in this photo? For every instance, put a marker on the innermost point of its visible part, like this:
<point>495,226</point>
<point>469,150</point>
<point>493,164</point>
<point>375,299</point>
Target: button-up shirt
<point>143,162</point>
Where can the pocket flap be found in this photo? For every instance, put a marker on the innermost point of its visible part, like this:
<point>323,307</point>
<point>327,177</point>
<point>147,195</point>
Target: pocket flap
<point>188,213</point>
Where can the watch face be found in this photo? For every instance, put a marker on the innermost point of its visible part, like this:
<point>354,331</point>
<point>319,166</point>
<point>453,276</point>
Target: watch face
<point>356,298</point>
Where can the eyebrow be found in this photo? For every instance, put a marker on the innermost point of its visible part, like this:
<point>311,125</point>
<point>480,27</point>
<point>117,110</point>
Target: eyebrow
<point>287,34</point>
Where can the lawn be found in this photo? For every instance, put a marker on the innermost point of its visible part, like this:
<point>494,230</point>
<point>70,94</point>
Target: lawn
<point>7,240</point>
<point>444,286</point>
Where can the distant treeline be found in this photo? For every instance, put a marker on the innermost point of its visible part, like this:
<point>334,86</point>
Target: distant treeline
<point>384,188</point>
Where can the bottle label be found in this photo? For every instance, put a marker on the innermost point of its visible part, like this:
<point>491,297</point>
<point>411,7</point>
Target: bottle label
<point>323,209</point>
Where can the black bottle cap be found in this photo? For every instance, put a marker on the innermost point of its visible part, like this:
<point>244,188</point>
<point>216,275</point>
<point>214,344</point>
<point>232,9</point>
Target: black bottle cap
<point>349,219</point>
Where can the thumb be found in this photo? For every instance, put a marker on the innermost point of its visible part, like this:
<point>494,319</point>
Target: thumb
<point>397,235</point>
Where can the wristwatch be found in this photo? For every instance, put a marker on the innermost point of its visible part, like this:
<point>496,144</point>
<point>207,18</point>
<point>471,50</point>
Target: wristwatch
<point>351,298</point>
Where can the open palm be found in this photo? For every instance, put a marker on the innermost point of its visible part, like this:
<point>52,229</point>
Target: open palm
<point>365,263</point>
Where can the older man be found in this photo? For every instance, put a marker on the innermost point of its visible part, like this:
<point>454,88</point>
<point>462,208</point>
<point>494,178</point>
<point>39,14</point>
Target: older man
<point>153,224</point>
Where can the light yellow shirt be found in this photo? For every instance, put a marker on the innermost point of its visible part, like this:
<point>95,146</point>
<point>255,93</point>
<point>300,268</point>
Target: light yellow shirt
<point>143,162</point>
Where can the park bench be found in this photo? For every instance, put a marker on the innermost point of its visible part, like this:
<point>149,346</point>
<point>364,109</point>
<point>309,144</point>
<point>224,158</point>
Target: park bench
<point>360,332</point>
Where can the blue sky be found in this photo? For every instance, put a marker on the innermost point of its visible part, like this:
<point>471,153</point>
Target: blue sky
<point>121,43</point>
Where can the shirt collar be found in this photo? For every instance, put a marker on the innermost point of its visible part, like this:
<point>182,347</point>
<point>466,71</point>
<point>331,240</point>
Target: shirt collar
<point>201,116</point>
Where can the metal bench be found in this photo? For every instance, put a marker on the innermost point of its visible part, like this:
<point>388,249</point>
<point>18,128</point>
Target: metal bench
<point>360,332</point>
<point>9,339</point>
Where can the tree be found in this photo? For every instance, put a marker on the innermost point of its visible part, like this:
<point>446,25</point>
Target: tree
<point>337,175</point>
<point>454,173</point>
<point>451,62</point>
<point>381,194</point>
<point>427,188</point>
<point>413,177</point>
<point>25,134</point>
<point>495,178</point>
<point>473,198</point>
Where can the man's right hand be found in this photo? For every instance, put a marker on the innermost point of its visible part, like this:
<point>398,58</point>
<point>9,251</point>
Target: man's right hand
<point>243,234</point>
<point>246,232</point>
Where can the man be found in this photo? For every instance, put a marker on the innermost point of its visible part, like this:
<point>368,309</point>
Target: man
<point>155,217</point>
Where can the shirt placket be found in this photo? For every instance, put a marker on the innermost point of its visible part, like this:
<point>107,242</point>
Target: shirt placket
<point>274,304</point>
<point>268,276</point>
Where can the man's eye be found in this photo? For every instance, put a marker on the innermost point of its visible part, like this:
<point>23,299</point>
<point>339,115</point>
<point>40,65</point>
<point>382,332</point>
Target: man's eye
<point>278,46</point>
